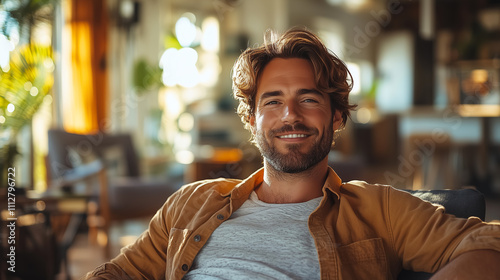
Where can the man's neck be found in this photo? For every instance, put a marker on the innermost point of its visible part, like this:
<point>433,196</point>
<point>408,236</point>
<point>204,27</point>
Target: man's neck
<point>280,187</point>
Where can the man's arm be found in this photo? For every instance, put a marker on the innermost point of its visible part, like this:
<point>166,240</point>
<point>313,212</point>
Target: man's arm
<point>427,239</point>
<point>477,264</point>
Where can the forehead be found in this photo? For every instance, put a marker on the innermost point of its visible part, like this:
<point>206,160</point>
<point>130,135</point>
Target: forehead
<point>286,71</point>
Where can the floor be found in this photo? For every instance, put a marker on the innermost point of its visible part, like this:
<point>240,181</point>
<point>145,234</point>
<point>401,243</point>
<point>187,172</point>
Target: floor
<point>84,257</point>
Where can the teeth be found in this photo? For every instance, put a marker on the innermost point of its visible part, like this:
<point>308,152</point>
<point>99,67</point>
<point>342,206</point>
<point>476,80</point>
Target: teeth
<point>293,136</point>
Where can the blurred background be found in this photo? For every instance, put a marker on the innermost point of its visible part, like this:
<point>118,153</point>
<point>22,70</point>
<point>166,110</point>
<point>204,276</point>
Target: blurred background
<point>108,106</point>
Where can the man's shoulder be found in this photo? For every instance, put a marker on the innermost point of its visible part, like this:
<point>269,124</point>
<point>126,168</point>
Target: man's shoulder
<point>370,191</point>
<point>220,185</point>
<point>190,198</point>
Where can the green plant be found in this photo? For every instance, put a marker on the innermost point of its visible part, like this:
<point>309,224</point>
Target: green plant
<point>22,90</point>
<point>24,86</point>
<point>146,76</point>
<point>27,79</point>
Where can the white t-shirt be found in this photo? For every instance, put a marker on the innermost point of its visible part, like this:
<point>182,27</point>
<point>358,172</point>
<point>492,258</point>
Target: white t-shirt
<point>261,241</point>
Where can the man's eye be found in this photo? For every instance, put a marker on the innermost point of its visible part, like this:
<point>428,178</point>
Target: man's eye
<point>310,101</point>
<point>271,103</point>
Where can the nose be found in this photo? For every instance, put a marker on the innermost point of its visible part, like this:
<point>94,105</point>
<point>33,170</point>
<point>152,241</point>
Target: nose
<point>291,113</point>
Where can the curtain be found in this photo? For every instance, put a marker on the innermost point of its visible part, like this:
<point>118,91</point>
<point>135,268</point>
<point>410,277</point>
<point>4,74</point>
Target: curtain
<point>86,92</point>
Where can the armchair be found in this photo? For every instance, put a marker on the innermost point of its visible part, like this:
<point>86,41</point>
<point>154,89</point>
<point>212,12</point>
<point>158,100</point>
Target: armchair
<point>462,203</point>
<point>118,189</point>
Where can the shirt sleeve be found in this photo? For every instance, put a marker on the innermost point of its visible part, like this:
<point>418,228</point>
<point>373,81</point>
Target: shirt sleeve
<point>425,238</point>
<point>144,259</point>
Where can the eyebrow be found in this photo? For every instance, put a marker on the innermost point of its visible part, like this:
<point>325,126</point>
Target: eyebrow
<point>269,94</point>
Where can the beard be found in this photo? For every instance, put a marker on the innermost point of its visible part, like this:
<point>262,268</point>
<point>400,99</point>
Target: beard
<point>293,160</point>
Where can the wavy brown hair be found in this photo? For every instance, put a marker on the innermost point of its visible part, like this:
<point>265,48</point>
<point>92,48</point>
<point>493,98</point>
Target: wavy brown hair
<point>331,73</point>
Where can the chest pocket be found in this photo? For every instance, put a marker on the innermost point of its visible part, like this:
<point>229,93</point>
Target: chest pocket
<point>364,259</point>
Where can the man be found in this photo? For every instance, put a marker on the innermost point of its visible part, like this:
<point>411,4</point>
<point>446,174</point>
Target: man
<point>295,219</point>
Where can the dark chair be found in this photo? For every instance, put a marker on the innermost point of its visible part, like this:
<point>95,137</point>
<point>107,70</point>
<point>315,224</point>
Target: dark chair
<point>462,203</point>
<point>109,166</point>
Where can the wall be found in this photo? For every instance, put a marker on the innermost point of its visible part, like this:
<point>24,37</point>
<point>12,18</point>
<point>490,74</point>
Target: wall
<point>129,111</point>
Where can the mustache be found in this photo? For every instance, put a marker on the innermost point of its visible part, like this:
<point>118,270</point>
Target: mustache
<point>292,128</point>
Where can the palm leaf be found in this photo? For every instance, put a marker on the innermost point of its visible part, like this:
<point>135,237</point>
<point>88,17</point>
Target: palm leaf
<point>25,84</point>
<point>25,13</point>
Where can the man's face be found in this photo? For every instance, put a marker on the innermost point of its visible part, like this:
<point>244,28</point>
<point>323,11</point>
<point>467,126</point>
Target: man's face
<point>293,123</point>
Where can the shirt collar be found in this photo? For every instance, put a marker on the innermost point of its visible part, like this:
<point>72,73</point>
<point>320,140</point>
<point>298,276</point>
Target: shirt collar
<point>244,187</point>
<point>333,183</point>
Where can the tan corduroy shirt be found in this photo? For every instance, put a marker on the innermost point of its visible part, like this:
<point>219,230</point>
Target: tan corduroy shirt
<point>361,231</point>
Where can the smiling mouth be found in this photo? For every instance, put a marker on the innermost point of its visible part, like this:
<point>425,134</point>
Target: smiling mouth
<point>289,136</point>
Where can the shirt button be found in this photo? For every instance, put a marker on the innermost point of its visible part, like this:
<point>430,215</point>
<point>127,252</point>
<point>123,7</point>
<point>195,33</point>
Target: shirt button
<point>185,267</point>
<point>197,238</point>
<point>220,217</point>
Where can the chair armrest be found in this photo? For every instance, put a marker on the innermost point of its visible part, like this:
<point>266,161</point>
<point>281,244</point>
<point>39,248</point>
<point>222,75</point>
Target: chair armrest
<point>80,173</point>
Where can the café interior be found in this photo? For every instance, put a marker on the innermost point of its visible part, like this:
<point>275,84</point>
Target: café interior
<point>109,106</point>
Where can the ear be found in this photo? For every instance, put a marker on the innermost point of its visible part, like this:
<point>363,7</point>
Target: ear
<point>337,120</point>
<point>252,124</point>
